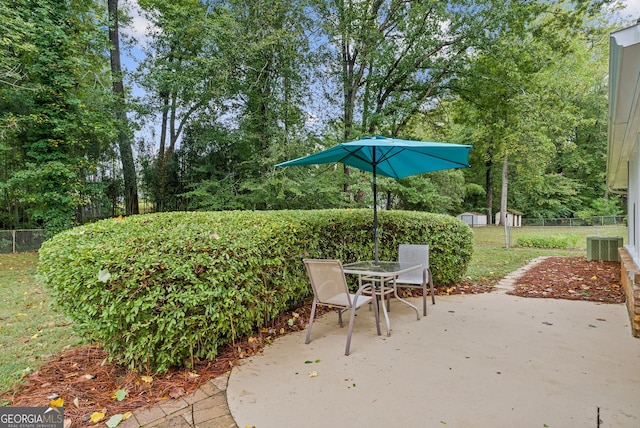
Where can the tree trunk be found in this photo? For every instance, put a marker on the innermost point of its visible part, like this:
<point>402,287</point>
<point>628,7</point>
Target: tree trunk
<point>504,192</point>
<point>161,185</point>
<point>489,188</point>
<point>124,140</point>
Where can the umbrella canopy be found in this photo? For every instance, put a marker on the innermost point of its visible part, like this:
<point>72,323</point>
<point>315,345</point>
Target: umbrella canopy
<point>390,157</point>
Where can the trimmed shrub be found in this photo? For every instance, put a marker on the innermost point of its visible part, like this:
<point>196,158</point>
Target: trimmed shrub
<point>162,290</point>
<point>548,241</point>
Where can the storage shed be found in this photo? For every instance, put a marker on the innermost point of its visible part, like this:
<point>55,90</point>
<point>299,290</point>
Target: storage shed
<point>514,218</point>
<point>473,219</point>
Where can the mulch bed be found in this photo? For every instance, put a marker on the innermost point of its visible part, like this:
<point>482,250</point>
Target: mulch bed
<point>87,382</point>
<point>572,278</point>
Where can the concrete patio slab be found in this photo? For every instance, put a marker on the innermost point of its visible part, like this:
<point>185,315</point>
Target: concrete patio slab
<point>489,360</point>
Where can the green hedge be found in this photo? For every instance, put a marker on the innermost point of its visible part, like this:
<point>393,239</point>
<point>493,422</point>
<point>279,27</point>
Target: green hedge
<point>161,290</point>
<point>548,241</point>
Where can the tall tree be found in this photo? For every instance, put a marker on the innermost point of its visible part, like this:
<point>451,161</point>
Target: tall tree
<point>124,134</point>
<point>14,87</point>
<point>238,89</point>
<point>392,58</point>
<point>185,73</point>
<point>519,95</point>
<point>60,129</point>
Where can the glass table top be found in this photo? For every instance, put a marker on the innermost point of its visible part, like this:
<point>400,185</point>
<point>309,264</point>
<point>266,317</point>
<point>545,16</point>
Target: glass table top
<point>369,267</point>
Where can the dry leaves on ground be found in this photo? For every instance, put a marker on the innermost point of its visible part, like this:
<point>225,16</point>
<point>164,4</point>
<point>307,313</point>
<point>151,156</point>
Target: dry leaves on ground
<point>572,278</point>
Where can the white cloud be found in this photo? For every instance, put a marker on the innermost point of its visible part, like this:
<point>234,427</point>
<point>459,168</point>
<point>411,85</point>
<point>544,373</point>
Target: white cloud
<point>138,26</point>
<point>631,10</point>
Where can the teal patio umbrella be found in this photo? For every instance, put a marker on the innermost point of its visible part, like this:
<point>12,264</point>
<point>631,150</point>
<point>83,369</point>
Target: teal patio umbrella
<point>390,157</point>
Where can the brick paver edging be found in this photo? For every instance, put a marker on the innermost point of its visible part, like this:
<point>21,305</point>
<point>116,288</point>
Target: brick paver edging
<point>205,408</point>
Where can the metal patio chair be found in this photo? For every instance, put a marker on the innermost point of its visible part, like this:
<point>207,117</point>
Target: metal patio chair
<point>416,278</point>
<point>330,289</point>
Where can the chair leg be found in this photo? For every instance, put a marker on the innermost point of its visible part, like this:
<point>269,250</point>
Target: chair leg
<point>424,299</point>
<point>311,316</point>
<point>433,294</point>
<point>351,319</point>
<point>377,315</point>
<point>354,304</point>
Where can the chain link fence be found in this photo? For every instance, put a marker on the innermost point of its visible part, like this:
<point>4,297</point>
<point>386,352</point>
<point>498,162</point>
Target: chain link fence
<point>21,240</point>
<point>610,220</point>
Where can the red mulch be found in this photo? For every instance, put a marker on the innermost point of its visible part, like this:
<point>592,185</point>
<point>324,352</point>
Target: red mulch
<point>87,381</point>
<point>572,278</point>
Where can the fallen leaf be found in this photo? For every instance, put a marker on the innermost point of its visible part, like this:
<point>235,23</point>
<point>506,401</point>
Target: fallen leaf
<point>177,392</point>
<point>114,421</point>
<point>96,417</point>
<point>253,342</point>
<point>76,402</point>
<point>313,373</point>
<point>147,379</point>
<point>126,416</point>
<point>120,394</point>
<point>57,402</point>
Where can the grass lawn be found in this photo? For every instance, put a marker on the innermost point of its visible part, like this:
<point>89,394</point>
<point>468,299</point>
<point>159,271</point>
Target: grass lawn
<point>31,332</point>
<point>491,260</point>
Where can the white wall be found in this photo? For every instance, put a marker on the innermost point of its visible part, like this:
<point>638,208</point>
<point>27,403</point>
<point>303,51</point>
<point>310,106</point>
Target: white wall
<point>633,205</point>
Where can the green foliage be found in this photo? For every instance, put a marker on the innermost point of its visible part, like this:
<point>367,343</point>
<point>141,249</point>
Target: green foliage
<point>164,289</point>
<point>56,105</point>
<point>546,196</point>
<point>235,87</point>
<point>436,192</point>
<point>567,241</point>
<point>536,98</point>
<point>474,195</point>
<point>602,207</point>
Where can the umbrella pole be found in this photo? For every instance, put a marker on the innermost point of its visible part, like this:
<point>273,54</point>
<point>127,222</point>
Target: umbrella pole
<point>375,211</point>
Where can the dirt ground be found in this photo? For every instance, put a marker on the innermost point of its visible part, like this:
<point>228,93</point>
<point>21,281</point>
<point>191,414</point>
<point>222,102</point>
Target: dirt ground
<point>88,383</point>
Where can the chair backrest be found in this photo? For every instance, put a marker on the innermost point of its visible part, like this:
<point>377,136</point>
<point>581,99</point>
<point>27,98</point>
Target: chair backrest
<point>328,282</point>
<point>414,253</point>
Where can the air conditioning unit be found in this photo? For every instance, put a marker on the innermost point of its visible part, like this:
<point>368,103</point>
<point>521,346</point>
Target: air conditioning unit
<point>604,248</point>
